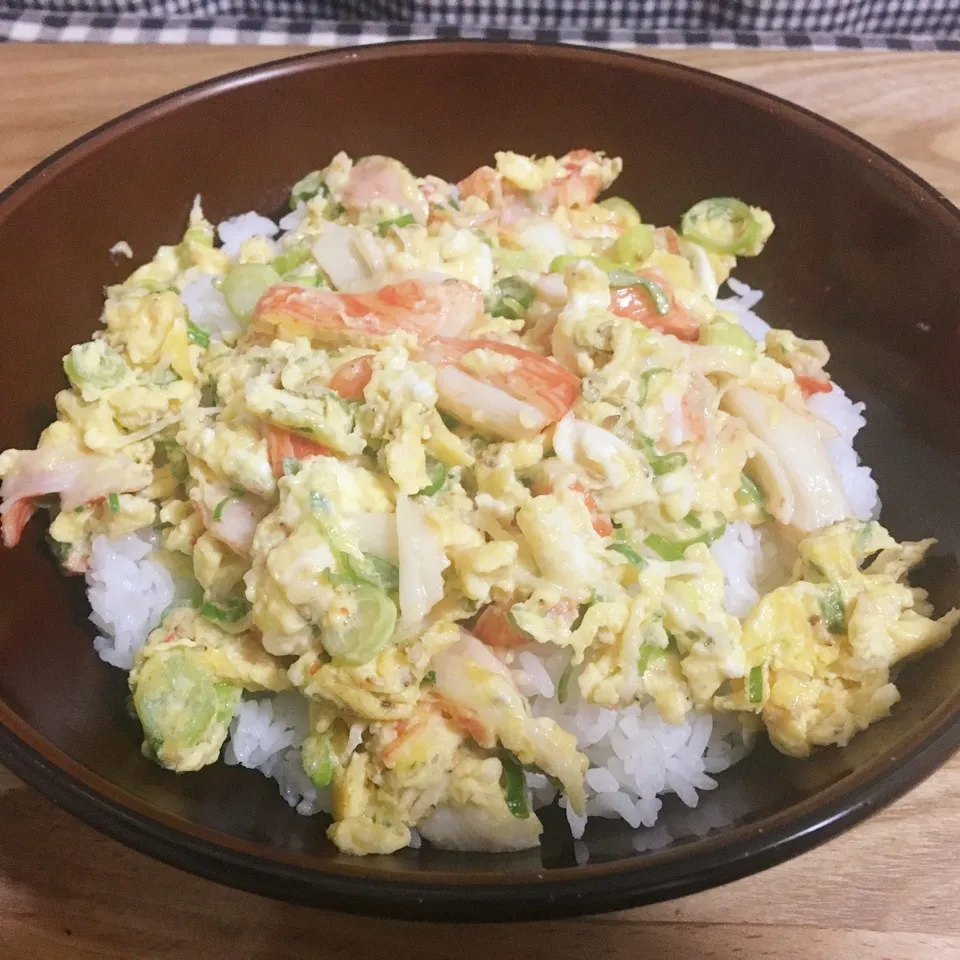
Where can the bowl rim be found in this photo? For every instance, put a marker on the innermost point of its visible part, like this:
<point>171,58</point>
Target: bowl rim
<point>344,882</point>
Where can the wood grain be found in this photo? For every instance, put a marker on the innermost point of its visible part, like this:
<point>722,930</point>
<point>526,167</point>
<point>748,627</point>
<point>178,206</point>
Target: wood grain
<point>888,889</point>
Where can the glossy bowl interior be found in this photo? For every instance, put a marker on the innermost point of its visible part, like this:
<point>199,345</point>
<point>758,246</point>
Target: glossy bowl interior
<point>864,254</point>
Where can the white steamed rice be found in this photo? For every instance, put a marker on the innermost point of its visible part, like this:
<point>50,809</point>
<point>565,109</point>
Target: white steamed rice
<point>236,231</point>
<point>128,593</point>
<point>635,756</point>
<point>206,305</point>
<point>266,735</point>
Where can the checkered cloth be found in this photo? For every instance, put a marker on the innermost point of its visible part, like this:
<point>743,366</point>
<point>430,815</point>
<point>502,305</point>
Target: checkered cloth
<point>820,24</point>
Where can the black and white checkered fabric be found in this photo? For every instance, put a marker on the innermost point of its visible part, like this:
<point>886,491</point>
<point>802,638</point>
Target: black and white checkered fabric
<point>816,24</point>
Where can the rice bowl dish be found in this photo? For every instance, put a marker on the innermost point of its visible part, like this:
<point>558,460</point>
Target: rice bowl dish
<point>437,503</point>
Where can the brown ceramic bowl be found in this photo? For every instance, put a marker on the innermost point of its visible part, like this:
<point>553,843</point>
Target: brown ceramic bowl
<point>864,254</point>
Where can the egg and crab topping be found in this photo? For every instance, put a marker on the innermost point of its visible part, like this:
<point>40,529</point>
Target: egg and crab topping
<point>432,427</point>
<point>821,649</point>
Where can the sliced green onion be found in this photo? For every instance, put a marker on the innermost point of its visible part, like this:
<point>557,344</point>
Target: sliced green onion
<point>507,260</point>
<point>307,188</point>
<point>668,463</point>
<point>430,678</point>
<point>563,685</point>
<point>721,225</point>
<point>648,653</point>
<point>619,277</point>
<point>374,570</point>
<point>383,227</point>
<point>673,550</point>
<point>511,298</point>
<point>113,501</point>
<point>623,209</point>
<point>306,279</point>
<point>319,760</point>
<point>625,550</point>
<point>755,685</point>
<point>291,466</point>
<point>290,260</point>
<point>230,611</point>
<point>749,492</point>
<point>197,335</point>
<point>512,620</point>
<point>367,631</point>
<point>164,376</point>
<point>666,549</point>
<point>645,380</point>
<point>723,333</point>
<point>437,473</point>
<point>584,607</point>
<point>661,463</point>
<point>244,285</point>
<point>831,606</point>
<point>624,278</point>
<point>219,508</point>
<point>634,245</point>
<point>514,785</point>
<point>387,575</point>
<point>661,302</point>
<point>319,504</point>
<point>181,704</point>
<point>560,264</point>
<point>94,364</point>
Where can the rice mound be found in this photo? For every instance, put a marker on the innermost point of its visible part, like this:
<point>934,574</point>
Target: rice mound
<point>266,735</point>
<point>128,593</point>
<point>635,756</point>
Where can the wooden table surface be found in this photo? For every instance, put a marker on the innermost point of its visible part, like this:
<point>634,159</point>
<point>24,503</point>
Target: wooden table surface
<point>888,889</point>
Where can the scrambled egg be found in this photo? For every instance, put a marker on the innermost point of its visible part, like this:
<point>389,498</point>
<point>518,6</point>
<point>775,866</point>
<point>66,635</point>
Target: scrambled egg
<point>432,427</point>
<point>822,647</point>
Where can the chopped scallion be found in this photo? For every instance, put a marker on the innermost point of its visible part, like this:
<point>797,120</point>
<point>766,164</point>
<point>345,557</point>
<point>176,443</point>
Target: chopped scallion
<point>721,225</point>
<point>437,473</point>
<point>383,227</point>
<point>672,550</point>
<point>648,653</point>
<point>511,298</point>
<point>831,606</point>
<point>197,335</point>
<point>218,509</point>
<point>563,685</point>
<point>514,785</point>
<point>230,611</point>
<point>634,245</point>
<point>625,550</point>
<point>307,188</point>
<point>749,492</point>
<point>661,302</point>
